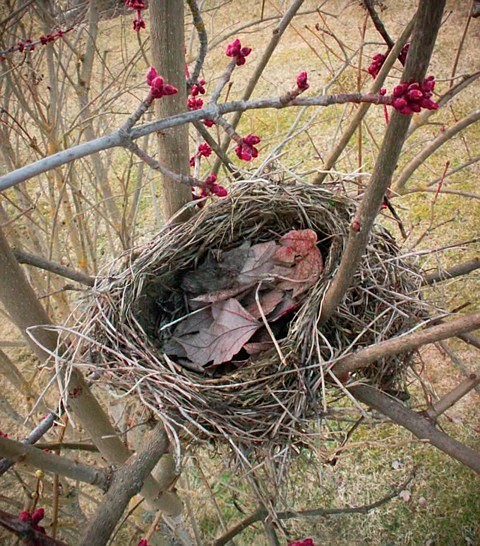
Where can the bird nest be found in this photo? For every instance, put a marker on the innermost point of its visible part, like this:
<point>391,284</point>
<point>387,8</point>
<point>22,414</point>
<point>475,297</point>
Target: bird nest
<point>214,324</point>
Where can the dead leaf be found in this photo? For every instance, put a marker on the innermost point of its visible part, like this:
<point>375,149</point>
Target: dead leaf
<point>303,275</point>
<point>258,347</point>
<point>232,327</point>
<point>221,295</point>
<point>259,263</point>
<point>301,241</point>
<point>268,299</point>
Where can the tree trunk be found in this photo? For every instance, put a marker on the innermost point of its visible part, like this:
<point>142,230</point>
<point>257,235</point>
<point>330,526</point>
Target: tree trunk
<point>168,58</point>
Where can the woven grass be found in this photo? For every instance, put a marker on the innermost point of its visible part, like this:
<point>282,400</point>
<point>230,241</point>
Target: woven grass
<point>270,402</point>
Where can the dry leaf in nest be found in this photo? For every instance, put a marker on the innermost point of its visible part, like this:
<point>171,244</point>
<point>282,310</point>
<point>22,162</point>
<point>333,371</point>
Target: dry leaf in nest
<point>257,282</point>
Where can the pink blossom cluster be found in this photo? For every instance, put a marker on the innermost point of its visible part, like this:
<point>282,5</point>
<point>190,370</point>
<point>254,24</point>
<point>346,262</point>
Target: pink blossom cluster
<point>238,52</point>
<point>198,88</point>
<point>413,96</point>
<point>138,6</point>
<point>29,45</point>
<point>3,435</point>
<point>34,518</point>
<point>212,188</point>
<point>194,103</point>
<point>379,59</point>
<point>158,87</point>
<point>143,542</point>
<point>246,148</point>
<point>377,63</point>
<point>305,542</point>
<point>203,150</point>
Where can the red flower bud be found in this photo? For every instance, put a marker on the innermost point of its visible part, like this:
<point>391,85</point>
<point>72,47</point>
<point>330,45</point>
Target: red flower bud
<point>302,82</point>
<point>169,89</point>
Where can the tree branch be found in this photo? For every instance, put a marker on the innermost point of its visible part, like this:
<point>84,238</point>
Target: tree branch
<point>406,343</point>
<point>454,271</point>
<point>119,137</point>
<point>126,483</point>
<point>378,23</point>
<point>67,272</point>
<point>427,23</point>
<point>427,151</point>
<point>420,426</point>
<point>262,513</point>
<point>49,462</point>
<point>451,398</point>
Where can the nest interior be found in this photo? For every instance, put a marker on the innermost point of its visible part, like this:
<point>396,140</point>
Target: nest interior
<point>268,401</point>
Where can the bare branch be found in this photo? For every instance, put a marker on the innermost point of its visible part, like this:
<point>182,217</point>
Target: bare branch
<point>451,398</point>
<point>427,23</point>
<point>67,272</point>
<point>262,513</point>
<point>203,39</point>
<point>126,483</point>
<point>378,23</point>
<point>454,271</point>
<point>427,151</point>
<point>419,425</point>
<point>406,343</point>
<point>26,454</point>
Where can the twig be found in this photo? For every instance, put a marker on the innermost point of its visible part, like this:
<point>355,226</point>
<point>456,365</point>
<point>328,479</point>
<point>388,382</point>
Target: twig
<point>451,398</point>
<point>454,271</point>
<point>417,424</point>
<point>378,23</point>
<point>406,343</point>
<point>18,452</point>
<point>67,272</point>
<point>262,513</point>
<point>40,430</point>
<point>427,151</point>
<point>457,361</point>
<point>203,39</point>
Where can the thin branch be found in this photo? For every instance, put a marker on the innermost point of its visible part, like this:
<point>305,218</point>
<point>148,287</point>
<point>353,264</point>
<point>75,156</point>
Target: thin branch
<point>40,430</point>
<point>454,271</point>
<point>54,267</point>
<point>427,151</point>
<point>262,513</point>
<point>203,39</point>
<point>427,23</point>
<point>378,23</point>
<point>259,69</point>
<point>406,343</point>
<point>451,398</point>
<point>419,425</point>
<point>120,138</point>
<point>126,483</point>
<point>49,462</point>
<point>363,109</point>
